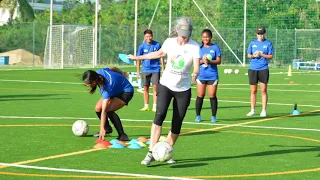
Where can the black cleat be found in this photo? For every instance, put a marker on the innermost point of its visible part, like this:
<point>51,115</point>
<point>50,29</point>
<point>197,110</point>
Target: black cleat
<point>123,137</point>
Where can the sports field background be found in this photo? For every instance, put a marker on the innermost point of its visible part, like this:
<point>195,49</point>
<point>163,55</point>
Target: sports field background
<point>38,108</point>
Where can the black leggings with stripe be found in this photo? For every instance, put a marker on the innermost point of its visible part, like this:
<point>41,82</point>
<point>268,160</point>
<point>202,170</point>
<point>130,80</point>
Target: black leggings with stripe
<point>181,101</point>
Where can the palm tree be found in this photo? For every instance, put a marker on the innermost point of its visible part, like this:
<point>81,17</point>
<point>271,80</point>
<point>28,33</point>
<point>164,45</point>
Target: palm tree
<point>24,8</point>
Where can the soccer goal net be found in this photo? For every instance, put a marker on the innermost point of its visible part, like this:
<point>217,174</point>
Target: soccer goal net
<point>72,46</point>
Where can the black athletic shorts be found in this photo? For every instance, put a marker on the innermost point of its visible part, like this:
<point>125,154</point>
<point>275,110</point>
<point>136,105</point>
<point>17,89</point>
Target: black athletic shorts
<point>150,77</point>
<point>258,76</point>
<point>125,96</point>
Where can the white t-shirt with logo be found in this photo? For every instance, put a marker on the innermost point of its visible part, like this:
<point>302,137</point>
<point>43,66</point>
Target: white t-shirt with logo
<point>176,75</point>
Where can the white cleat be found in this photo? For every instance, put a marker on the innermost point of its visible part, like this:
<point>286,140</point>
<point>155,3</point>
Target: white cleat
<point>263,114</point>
<point>251,113</point>
<point>148,159</point>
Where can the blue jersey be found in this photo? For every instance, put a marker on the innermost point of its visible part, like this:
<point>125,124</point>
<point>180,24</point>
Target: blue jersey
<point>260,63</point>
<point>114,84</point>
<point>211,71</point>
<point>147,64</point>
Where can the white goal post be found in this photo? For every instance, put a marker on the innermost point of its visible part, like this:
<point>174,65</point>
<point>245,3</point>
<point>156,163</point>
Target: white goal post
<point>72,46</point>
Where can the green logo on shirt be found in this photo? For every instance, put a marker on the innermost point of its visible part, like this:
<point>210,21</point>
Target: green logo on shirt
<point>177,62</point>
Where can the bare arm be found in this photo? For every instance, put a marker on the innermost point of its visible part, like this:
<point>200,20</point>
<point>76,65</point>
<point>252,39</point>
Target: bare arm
<point>117,70</point>
<point>162,64</point>
<point>216,61</point>
<point>152,55</point>
<point>104,117</point>
<point>195,69</point>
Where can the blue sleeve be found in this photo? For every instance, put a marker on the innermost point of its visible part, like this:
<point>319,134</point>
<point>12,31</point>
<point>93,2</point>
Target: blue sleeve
<point>249,48</point>
<point>158,46</point>
<point>218,52</point>
<point>105,95</point>
<point>140,50</point>
<point>270,49</point>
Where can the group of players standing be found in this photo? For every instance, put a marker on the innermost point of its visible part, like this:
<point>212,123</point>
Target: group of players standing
<point>175,83</point>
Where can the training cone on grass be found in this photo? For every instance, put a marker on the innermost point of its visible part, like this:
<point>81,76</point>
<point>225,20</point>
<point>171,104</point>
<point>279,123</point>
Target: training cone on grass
<point>143,139</point>
<point>295,110</point>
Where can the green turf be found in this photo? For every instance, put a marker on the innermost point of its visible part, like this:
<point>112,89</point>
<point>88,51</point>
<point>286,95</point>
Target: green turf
<point>38,108</point>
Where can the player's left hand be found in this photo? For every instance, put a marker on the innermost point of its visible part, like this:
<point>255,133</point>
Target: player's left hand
<point>102,134</point>
<point>130,56</point>
<point>194,77</point>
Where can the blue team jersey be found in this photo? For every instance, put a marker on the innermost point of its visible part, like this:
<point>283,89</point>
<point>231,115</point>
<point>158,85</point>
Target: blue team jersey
<point>265,47</point>
<point>210,72</point>
<point>114,84</point>
<point>147,64</point>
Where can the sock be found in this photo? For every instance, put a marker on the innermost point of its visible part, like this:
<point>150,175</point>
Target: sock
<point>116,122</point>
<point>214,105</point>
<point>199,102</point>
<point>146,105</point>
<point>252,110</point>
<point>154,105</point>
<point>107,122</point>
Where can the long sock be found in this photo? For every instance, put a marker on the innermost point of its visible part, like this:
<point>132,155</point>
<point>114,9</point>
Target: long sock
<point>107,122</point>
<point>214,105</point>
<point>199,102</point>
<point>116,122</point>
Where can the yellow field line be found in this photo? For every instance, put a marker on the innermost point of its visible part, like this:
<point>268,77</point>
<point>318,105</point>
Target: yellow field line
<point>53,157</point>
<point>245,123</point>
<point>70,176</point>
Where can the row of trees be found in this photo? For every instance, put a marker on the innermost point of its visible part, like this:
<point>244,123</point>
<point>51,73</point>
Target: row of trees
<point>117,20</point>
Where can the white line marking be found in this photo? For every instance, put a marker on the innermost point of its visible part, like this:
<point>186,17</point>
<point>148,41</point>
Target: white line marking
<point>91,171</point>
<point>220,84</point>
<point>50,82</point>
<point>245,102</point>
<point>149,120</point>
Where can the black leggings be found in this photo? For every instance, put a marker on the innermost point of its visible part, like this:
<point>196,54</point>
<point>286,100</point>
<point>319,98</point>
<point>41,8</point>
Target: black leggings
<point>181,101</point>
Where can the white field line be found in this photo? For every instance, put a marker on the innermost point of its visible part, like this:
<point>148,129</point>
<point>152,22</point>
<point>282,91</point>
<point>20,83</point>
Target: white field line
<point>245,102</point>
<point>50,82</point>
<point>91,171</point>
<point>149,120</point>
<point>221,84</point>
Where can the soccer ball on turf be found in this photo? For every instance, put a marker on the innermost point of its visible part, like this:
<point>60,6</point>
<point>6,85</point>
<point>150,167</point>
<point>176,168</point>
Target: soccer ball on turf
<point>236,71</point>
<point>162,151</point>
<point>229,71</point>
<point>225,71</point>
<point>80,128</point>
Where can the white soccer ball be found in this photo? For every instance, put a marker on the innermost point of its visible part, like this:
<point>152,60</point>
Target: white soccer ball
<point>229,71</point>
<point>236,71</point>
<point>80,128</point>
<point>162,151</point>
<point>225,71</point>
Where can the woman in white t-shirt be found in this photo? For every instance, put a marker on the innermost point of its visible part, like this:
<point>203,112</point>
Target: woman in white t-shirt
<point>175,83</point>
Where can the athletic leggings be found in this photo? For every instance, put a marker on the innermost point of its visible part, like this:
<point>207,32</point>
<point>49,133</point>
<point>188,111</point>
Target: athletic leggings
<point>181,101</point>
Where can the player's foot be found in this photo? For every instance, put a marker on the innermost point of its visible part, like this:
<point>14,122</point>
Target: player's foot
<point>198,119</point>
<point>108,131</point>
<point>154,109</point>
<point>213,119</point>
<point>148,159</point>
<point>263,114</point>
<point>145,109</point>
<point>251,113</point>
<point>171,161</point>
<point>123,137</point>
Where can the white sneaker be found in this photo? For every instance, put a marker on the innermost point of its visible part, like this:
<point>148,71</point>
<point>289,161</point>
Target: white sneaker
<point>148,159</point>
<point>171,161</point>
<point>251,113</point>
<point>154,109</point>
<point>263,114</point>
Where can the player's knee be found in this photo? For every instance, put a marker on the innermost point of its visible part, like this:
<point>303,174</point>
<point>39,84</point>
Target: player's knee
<point>176,129</point>
<point>159,118</point>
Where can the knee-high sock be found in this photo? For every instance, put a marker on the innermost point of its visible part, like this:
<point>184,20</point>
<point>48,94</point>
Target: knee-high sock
<point>116,122</point>
<point>214,105</point>
<point>107,122</point>
<point>199,102</point>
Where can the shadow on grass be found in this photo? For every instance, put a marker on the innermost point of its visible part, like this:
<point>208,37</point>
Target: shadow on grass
<point>27,97</point>
<point>192,162</point>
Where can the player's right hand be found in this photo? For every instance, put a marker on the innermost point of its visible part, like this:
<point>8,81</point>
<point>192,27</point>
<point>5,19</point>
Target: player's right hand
<point>102,134</point>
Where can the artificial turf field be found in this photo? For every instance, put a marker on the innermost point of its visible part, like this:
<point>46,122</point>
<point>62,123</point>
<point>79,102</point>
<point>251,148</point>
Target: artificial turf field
<point>38,108</point>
